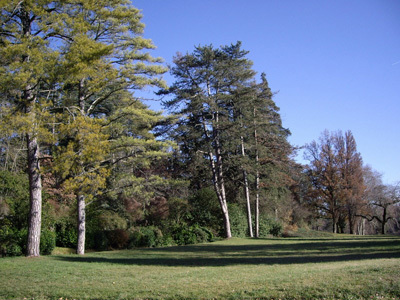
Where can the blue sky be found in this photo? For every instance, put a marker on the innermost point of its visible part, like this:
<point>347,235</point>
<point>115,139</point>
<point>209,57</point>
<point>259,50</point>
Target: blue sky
<point>334,64</point>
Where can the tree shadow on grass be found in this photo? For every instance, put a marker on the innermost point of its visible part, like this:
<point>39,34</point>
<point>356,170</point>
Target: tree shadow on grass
<point>210,255</point>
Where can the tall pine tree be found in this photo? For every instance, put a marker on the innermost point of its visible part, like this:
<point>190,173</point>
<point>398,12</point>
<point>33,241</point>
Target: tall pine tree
<point>104,59</point>
<point>28,56</point>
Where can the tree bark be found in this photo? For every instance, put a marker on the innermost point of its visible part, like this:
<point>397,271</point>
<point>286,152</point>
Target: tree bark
<point>35,183</point>
<point>257,204</point>
<point>218,178</point>
<point>80,249</point>
<point>247,194</point>
<point>334,224</point>
<point>384,220</point>
<point>219,186</point>
<point>35,196</point>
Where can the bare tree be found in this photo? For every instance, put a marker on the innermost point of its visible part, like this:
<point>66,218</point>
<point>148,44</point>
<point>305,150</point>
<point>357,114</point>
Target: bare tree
<point>381,199</point>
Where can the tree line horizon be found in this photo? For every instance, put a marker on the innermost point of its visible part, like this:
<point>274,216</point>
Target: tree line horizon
<point>84,163</point>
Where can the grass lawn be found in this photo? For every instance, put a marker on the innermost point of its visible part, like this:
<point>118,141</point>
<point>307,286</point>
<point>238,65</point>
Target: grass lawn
<point>333,267</point>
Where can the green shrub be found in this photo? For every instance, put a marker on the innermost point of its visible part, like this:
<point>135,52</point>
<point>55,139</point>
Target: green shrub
<point>149,236</point>
<point>270,226</point>
<point>238,220</point>
<point>47,242</point>
<point>66,235</point>
<point>182,235</point>
<point>186,235</point>
<point>206,210</point>
<point>13,250</point>
<point>110,220</point>
<point>12,241</point>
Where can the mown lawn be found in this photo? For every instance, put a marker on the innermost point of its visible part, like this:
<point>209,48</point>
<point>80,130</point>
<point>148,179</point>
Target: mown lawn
<point>337,267</point>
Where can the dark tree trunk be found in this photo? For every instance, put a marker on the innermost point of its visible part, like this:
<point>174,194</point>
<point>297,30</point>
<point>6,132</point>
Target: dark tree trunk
<point>383,223</point>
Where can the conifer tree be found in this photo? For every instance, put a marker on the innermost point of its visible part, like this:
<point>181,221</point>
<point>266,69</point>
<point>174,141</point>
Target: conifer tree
<point>203,97</point>
<point>268,151</point>
<point>103,59</point>
<point>69,59</point>
<point>27,61</point>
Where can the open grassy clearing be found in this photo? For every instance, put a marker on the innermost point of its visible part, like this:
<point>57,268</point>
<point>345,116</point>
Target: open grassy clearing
<point>343,267</point>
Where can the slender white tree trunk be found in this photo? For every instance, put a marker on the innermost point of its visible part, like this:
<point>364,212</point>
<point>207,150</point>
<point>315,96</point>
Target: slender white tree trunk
<point>247,194</point>
<point>80,249</point>
<point>218,178</point>
<point>257,204</point>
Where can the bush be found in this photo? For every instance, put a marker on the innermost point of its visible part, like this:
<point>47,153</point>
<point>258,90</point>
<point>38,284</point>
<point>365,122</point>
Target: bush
<point>269,226</point>
<point>13,250</point>
<point>205,209</point>
<point>66,235</point>
<point>12,241</point>
<point>150,236</point>
<point>186,235</point>
<point>47,242</point>
<point>238,219</point>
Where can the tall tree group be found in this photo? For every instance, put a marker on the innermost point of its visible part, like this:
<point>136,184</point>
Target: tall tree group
<point>68,69</point>
<point>228,120</point>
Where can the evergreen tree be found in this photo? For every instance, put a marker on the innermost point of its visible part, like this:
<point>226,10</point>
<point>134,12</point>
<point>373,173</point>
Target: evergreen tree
<point>272,151</point>
<point>103,60</point>
<point>62,64</point>
<point>203,99</point>
<point>27,61</point>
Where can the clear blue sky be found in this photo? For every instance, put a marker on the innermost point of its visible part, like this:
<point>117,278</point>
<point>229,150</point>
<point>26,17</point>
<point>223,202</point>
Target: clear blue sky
<point>335,64</point>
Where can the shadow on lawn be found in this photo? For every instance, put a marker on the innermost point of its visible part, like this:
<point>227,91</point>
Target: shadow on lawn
<point>209,255</point>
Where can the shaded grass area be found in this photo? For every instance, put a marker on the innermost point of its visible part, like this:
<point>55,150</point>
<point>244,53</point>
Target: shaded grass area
<point>342,267</point>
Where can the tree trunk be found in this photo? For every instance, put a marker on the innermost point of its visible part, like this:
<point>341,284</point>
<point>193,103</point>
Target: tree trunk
<point>247,194</point>
<point>35,183</point>
<point>219,187</point>
<point>35,195</point>
<point>383,223</point>
<point>351,224</point>
<point>80,249</point>
<point>257,204</point>
<point>218,176</point>
<point>334,227</point>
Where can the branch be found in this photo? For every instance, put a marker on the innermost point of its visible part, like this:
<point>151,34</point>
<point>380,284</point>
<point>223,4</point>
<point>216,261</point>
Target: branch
<point>370,218</point>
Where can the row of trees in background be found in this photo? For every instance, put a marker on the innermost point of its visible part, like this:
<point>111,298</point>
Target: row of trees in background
<point>105,171</point>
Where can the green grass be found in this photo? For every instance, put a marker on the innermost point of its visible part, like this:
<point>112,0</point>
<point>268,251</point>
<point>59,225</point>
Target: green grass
<point>330,267</point>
